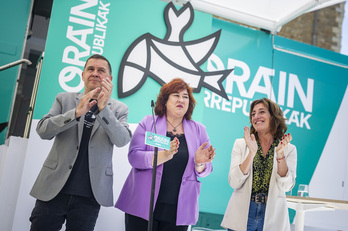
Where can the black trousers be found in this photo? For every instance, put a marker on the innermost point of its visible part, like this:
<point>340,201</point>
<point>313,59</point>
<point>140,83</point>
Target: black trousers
<point>80,213</point>
<point>134,223</point>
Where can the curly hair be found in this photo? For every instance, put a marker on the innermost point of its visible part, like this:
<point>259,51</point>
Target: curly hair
<point>277,125</point>
<point>174,86</point>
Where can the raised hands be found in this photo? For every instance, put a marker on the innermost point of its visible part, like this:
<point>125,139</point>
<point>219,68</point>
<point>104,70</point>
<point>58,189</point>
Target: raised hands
<point>174,146</point>
<point>85,104</point>
<point>104,95</point>
<point>204,155</point>
<point>250,141</point>
<point>165,155</point>
<point>282,145</point>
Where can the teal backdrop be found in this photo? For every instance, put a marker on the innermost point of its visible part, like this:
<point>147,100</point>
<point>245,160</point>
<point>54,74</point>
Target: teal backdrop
<point>309,91</point>
<point>126,21</point>
<point>12,39</point>
<point>306,81</point>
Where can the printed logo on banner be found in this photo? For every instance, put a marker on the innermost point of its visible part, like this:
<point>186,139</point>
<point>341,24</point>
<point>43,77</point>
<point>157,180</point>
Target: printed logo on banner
<point>94,24</point>
<point>156,140</point>
<point>262,84</point>
<point>171,57</point>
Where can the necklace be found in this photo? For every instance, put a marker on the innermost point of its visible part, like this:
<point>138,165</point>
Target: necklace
<point>174,127</point>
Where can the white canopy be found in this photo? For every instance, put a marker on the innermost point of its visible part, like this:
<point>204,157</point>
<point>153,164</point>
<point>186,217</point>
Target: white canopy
<point>266,14</point>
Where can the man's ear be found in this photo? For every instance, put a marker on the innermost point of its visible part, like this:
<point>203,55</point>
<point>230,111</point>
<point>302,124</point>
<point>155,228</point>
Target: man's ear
<point>82,76</point>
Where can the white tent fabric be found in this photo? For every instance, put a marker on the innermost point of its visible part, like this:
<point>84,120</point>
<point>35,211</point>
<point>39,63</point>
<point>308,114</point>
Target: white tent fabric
<point>266,14</point>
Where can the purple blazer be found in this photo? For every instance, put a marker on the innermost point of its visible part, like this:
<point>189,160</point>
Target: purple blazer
<point>134,198</point>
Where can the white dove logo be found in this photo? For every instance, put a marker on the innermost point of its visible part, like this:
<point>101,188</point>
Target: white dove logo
<point>171,57</point>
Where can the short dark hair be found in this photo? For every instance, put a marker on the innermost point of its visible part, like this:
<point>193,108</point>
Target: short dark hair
<point>98,56</point>
<point>277,126</point>
<point>174,86</point>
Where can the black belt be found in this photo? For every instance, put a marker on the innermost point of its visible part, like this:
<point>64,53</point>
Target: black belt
<point>259,198</point>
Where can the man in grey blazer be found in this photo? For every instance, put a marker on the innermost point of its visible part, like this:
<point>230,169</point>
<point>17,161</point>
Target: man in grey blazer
<point>77,176</point>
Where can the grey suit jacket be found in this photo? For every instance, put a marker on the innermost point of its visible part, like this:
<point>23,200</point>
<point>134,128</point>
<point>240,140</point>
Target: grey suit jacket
<point>110,128</point>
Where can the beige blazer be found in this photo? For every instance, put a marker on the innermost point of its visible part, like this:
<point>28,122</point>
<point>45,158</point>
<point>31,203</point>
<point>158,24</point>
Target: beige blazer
<point>276,215</point>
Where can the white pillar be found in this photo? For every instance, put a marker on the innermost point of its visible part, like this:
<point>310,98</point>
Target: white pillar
<point>12,155</point>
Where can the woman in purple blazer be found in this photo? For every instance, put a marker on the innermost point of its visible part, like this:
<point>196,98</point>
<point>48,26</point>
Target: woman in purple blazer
<point>190,155</point>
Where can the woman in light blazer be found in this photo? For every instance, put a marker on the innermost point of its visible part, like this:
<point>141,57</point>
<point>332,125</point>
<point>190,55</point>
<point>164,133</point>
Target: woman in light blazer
<point>263,168</point>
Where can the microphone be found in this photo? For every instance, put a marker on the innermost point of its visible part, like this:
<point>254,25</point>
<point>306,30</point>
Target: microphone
<point>153,115</point>
<point>154,169</point>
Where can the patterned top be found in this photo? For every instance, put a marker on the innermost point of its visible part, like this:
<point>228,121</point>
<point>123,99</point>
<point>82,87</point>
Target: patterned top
<point>262,169</point>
